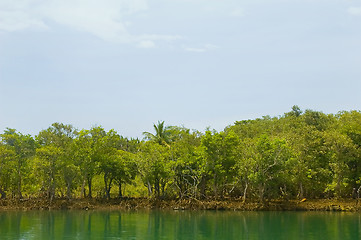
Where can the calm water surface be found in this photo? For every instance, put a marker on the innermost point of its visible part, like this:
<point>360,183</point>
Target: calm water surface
<point>179,225</point>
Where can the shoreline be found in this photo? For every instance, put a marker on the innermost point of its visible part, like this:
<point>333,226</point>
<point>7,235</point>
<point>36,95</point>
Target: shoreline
<point>344,205</point>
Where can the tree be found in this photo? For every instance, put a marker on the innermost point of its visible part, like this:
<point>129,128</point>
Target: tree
<point>24,148</point>
<point>296,112</point>
<point>56,142</point>
<point>268,166</point>
<point>306,144</point>
<point>116,165</point>
<point>349,123</point>
<point>48,165</point>
<point>154,167</point>
<point>7,165</point>
<point>219,152</point>
<point>245,165</point>
<point>162,134</point>
<point>189,166</point>
<point>341,151</point>
<point>318,120</point>
<point>88,152</point>
<point>125,169</point>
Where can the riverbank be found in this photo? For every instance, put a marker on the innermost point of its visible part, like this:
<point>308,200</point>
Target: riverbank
<point>349,205</point>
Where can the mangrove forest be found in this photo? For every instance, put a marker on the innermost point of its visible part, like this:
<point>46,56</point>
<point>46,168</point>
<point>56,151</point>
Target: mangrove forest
<point>301,154</point>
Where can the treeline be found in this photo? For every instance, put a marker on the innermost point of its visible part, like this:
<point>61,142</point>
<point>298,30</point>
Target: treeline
<point>300,154</point>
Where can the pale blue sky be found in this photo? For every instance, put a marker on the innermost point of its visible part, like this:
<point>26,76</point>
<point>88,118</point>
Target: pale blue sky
<point>125,64</point>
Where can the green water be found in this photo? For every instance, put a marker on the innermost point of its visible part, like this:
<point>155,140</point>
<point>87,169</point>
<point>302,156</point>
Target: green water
<point>179,225</point>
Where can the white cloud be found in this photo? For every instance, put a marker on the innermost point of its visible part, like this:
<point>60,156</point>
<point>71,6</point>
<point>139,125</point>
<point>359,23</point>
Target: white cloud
<point>227,8</point>
<point>102,18</point>
<point>161,37</point>
<point>105,19</point>
<point>205,48</point>
<point>148,40</point>
<point>190,49</point>
<point>210,46</point>
<point>237,12</point>
<point>13,16</point>
<point>354,10</point>
<point>146,44</point>
<point>18,20</point>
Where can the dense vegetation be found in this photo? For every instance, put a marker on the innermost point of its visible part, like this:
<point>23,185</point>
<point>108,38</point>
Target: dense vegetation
<point>300,154</point>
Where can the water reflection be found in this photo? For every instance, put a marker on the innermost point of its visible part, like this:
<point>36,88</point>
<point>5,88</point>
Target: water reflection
<point>178,225</point>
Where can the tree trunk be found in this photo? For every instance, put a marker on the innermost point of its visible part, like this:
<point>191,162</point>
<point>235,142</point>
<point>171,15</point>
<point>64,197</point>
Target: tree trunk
<point>108,186</point>
<point>149,189</point>
<point>301,190</point>
<point>156,188</point>
<point>68,190</point>
<point>3,194</point>
<point>163,189</point>
<point>107,195</point>
<point>180,188</point>
<point>19,185</point>
<point>245,192</point>
<point>261,193</point>
<point>83,193</point>
<point>52,187</point>
<point>215,186</point>
<point>203,187</point>
<point>120,195</point>
<point>89,188</point>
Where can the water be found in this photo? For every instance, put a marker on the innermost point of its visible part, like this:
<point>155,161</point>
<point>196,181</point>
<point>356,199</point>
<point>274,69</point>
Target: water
<point>179,225</point>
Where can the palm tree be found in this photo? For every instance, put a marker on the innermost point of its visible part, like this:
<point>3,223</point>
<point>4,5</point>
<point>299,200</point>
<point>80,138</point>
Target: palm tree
<point>162,134</point>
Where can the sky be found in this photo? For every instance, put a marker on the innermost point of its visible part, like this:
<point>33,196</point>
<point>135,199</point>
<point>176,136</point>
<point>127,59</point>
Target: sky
<point>127,64</point>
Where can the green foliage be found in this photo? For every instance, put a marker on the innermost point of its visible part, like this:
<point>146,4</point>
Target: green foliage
<point>24,148</point>
<point>155,167</point>
<point>55,160</point>
<point>219,153</point>
<point>162,134</point>
<point>188,167</point>
<point>47,166</point>
<point>300,154</point>
<point>268,166</point>
<point>7,165</point>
